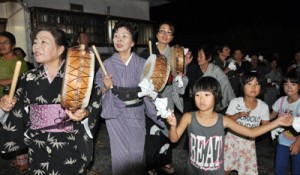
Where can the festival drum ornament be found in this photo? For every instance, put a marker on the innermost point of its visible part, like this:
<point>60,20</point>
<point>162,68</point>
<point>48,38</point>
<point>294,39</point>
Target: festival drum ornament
<point>177,60</point>
<point>156,69</point>
<point>78,78</point>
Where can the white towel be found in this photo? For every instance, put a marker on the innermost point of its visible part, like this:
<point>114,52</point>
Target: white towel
<point>178,78</point>
<point>161,107</point>
<point>185,50</point>
<point>296,124</point>
<point>147,88</point>
<point>232,65</point>
<point>248,58</point>
<point>275,132</point>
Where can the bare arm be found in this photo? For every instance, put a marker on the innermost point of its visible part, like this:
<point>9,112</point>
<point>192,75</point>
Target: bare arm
<point>273,115</point>
<point>264,122</point>
<point>176,132</point>
<point>295,147</point>
<point>257,131</point>
<point>5,82</point>
<point>226,70</point>
<point>238,115</point>
<point>188,57</point>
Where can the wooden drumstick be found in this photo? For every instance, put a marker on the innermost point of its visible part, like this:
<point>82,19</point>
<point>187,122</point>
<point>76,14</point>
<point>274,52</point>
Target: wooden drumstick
<point>150,47</point>
<point>99,60</point>
<point>14,80</point>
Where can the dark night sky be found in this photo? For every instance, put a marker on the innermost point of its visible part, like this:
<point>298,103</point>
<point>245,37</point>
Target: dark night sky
<point>252,25</point>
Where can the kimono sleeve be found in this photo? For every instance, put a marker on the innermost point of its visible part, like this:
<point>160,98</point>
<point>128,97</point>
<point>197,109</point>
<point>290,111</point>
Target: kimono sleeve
<point>94,108</point>
<point>12,132</point>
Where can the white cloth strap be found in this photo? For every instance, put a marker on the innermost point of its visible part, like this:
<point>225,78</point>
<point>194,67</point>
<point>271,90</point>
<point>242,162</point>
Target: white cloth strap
<point>85,123</point>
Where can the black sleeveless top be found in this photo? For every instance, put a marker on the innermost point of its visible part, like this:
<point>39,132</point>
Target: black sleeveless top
<point>206,148</point>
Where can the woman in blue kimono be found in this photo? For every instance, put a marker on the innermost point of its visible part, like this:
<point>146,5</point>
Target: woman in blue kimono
<point>123,110</point>
<point>58,140</point>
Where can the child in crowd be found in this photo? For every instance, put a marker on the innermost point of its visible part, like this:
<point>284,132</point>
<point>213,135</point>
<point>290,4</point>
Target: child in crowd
<point>239,151</point>
<point>206,129</point>
<point>288,145</point>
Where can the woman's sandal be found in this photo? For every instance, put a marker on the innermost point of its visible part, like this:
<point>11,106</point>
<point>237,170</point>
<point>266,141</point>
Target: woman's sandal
<point>13,163</point>
<point>168,169</point>
<point>24,169</point>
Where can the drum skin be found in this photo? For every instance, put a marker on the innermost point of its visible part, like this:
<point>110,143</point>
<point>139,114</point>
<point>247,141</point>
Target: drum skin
<point>177,60</point>
<point>78,78</point>
<point>156,69</point>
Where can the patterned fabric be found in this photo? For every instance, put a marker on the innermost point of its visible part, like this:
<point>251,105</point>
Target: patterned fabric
<point>256,115</point>
<point>44,117</point>
<point>49,152</point>
<point>240,154</point>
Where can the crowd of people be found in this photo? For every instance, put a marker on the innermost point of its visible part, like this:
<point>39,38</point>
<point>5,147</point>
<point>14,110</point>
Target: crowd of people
<point>223,101</point>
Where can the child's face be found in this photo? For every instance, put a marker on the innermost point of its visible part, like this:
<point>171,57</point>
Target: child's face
<point>204,100</point>
<point>290,88</point>
<point>252,88</point>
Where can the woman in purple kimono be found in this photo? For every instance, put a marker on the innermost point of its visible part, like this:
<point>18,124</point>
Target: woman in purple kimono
<point>59,141</point>
<point>123,110</point>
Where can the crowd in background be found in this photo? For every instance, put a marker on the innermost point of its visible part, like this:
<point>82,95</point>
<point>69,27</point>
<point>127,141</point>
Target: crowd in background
<point>127,120</point>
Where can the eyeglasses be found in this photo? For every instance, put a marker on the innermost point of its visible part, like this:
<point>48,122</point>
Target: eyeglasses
<point>168,33</point>
<point>5,43</point>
